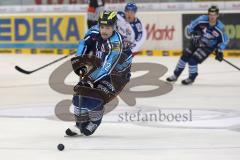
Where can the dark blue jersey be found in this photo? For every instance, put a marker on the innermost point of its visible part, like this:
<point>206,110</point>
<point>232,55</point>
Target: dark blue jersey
<point>213,36</point>
<point>108,51</point>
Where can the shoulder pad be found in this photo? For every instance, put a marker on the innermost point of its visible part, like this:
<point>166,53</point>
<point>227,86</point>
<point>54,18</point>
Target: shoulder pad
<point>220,25</point>
<point>93,30</point>
<point>203,18</point>
<point>121,13</point>
<point>116,42</point>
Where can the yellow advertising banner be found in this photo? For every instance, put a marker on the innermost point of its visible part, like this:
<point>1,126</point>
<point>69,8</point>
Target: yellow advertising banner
<point>38,33</point>
<point>227,53</point>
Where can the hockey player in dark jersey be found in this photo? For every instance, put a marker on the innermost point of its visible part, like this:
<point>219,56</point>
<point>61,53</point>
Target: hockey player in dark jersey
<point>208,36</point>
<point>129,15</point>
<point>104,82</point>
<point>93,11</point>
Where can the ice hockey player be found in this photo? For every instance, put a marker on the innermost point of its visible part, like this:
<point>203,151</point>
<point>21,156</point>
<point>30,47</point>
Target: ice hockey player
<point>129,15</point>
<point>104,82</point>
<point>125,29</point>
<point>207,36</point>
<point>95,7</point>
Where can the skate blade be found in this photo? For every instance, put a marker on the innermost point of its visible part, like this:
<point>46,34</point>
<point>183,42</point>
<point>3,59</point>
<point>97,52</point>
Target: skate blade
<point>78,135</point>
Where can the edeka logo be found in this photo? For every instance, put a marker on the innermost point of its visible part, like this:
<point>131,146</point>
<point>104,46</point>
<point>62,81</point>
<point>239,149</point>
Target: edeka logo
<point>29,31</point>
<point>154,33</point>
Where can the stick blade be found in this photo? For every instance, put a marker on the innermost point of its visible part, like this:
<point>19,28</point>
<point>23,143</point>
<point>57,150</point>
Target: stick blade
<point>22,70</point>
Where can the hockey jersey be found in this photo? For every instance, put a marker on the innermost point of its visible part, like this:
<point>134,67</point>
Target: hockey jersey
<point>108,51</point>
<point>212,36</point>
<point>139,33</point>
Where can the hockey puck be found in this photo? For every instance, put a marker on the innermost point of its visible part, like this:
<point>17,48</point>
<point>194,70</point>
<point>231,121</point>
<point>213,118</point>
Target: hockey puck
<point>60,147</point>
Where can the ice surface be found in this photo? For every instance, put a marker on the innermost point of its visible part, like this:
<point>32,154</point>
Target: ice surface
<point>29,128</point>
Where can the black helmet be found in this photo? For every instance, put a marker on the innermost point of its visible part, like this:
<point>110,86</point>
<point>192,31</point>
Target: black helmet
<point>107,18</point>
<point>213,9</point>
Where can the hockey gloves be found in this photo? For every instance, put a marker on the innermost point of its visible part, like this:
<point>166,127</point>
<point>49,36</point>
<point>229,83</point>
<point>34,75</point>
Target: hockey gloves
<point>219,55</point>
<point>82,70</point>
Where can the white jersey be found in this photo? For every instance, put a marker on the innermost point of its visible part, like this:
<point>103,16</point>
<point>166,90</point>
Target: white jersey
<point>125,29</point>
<point>138,32</point>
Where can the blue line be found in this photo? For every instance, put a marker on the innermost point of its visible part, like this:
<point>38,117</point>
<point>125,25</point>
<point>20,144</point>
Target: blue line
<point>38,45</point>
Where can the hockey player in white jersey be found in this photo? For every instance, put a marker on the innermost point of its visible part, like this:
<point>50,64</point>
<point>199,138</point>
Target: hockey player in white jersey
<point>139,32</point>
<point>125,29</point>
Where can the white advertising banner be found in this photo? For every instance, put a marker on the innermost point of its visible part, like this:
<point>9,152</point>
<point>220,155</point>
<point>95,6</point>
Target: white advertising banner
<point>15,6</point>
<point>164,30</point>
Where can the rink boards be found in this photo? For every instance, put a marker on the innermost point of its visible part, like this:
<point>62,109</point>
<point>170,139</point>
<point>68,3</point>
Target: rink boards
<point>164,53</point>
<point>60,33</point>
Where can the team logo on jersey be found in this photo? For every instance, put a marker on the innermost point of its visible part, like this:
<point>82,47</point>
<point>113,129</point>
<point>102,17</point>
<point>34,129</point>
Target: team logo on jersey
<point>116,46</point>
<point>207,34</point>
<point>103,48</point>
<point>139,27</point>
<point>128,31</point>
<point>99,54</point>
<point>215,33</point>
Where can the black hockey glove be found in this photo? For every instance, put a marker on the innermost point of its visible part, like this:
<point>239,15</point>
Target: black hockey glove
<point>219,55</point>
<point>82,70</point>
<point>79,68</point>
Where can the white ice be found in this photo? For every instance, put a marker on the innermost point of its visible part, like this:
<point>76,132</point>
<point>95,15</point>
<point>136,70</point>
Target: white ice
<point>29,128</point>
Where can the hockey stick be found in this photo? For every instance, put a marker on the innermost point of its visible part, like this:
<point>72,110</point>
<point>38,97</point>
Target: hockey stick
<point>231,64</point>
<point>29,72</point>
